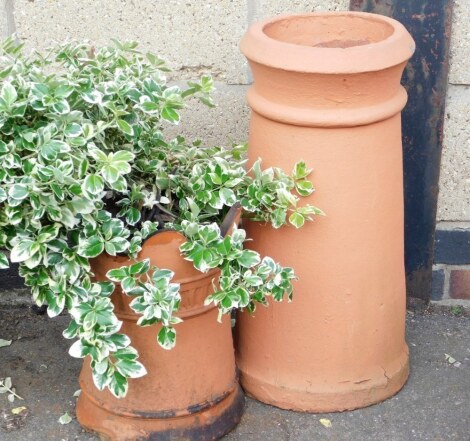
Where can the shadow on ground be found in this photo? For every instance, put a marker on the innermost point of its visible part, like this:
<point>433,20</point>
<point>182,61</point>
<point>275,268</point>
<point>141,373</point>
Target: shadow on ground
<point>434,405</point>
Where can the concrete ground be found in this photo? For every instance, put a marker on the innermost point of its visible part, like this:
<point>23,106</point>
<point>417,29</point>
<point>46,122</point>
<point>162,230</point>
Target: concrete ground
<point>434,405</point>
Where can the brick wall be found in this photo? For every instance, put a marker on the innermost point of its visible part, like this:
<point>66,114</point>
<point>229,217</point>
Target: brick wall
<point>451,273</point>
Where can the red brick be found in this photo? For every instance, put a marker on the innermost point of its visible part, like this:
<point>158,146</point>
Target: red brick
<point>460,284</point>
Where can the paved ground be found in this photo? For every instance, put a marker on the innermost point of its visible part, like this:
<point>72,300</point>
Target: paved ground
<point>434,405</point>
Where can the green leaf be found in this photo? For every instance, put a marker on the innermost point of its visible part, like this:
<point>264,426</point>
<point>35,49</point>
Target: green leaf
<point>249,258</point>
<point>4,147</point>
<point>98,155</point>
<point>304,187</point>
<point>55,303</point>
<point>83,168</point>
<point>171,115</point>
<point>57,189</point>
<point>93,184</point>
<point>65,419</point>
<point>252,280</point>
<point>125,127</point>
<point>132,216</point>
<point>18,192</point>
<point>51,149</point>
<point>72,330</point>
<point>117,274</point>
<point>107,288</point>
<point>150,107</point>
<point>62,107</point>
<point>166,337</point>
<point>4,261</point>
<point>120,184</point>
<point>127,353</point>
<point>110,173</point>
<point>118,385</point>
<point>81,205</point>
<point>122,155</point>
<point>122,167</point>
<point>300,170</point>
<point>140,267</point>
<point>128,284</point>
<point>22,251</point>
<point>91,247</point>
<point>278,217</point>
<point>297,219</point>
<point>131,368</point>
<point>77,350</point>
<point>225,246</point>
<point>101,380</point>
<point>8,94</point>
<point>92,97</point>
<point>228,196</point>
<point>73,130</point>
<point>4,343</point>
<point>122,343</point>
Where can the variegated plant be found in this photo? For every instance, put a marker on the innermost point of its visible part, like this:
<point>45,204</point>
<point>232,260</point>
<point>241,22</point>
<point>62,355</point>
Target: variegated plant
<point>86,169</point>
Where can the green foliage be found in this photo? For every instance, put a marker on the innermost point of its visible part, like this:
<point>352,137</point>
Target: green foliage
<point>245,279</point>
<point>86,170</point>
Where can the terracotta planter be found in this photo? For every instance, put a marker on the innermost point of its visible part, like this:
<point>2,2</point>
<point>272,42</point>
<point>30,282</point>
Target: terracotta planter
<point>190,392</point>
<point>327,90</point>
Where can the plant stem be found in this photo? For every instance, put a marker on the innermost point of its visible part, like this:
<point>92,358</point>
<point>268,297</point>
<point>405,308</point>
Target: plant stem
<point>2,384</point>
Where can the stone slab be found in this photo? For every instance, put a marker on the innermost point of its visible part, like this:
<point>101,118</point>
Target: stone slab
<point>452,247</point>
<point>7,21</point>
<point>454,184</point>
<point>460,43</point>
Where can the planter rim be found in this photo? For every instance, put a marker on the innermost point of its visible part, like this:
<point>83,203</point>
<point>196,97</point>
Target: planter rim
<point>393,50</point>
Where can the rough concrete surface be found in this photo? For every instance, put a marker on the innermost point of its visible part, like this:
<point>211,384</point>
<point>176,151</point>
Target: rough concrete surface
<point>433,406</point>
<point>454,184</point>
<point>193,37</point>
<point>460,43</point>
<point>221,125</point>
<point>7,22</point>
<point>269,8</point>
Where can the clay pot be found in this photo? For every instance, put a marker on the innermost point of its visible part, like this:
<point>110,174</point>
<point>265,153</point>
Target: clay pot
<point>327,90</point>
<point>190,392</point>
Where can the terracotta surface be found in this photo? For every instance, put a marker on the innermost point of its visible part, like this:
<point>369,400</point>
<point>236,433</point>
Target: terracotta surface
<point>190,392</point>
<point>327,90</point>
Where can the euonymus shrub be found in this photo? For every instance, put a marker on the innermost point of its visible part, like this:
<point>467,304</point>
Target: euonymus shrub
<point>86,170</point>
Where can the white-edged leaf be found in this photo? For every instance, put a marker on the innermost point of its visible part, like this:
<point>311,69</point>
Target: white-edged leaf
<point>125,127</point>
<point>65,418</point>
<point>4,261</point>
<point>76,350</point>
<point>297,219</point>
<point>18,192</point>
<point>449,358</point>
<point>8,94</point>
<point>22,251</point>
<point>123,155</point>
<point>93,184</point>
<point>4,343</point>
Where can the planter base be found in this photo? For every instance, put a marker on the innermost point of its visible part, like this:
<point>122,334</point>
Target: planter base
<point>347,396</point>
<point>206,425</point>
